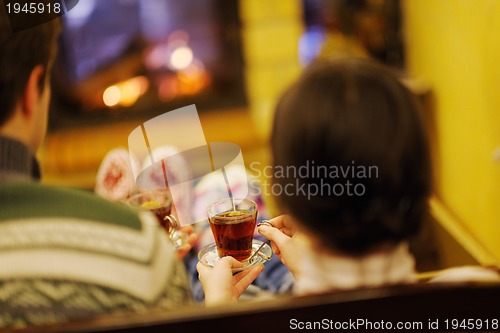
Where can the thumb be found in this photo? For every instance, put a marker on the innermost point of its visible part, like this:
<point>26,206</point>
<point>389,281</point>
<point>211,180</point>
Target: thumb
<point>226,263</point>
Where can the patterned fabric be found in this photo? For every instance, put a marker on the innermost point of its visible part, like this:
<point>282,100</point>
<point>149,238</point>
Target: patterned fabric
<point>26,302</point>
<point>67,254</point>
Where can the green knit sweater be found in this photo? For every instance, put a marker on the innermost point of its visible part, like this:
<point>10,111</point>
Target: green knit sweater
<point>67,254</point>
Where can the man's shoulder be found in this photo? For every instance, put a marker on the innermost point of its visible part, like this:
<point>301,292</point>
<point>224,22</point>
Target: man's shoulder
<point>40,216</point>
<point>28,199</point>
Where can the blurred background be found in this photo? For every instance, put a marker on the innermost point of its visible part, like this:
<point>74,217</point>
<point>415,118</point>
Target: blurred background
<point>122,62</point>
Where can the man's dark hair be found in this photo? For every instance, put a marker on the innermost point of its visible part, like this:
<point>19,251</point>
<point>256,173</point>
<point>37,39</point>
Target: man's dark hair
<point>20,52</point>
<point>353,113</point>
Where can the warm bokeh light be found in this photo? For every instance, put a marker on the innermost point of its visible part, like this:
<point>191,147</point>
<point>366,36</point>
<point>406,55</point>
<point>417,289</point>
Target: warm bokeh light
<point>178,36</point>
<point>125,93</point>
<point>181,57</point>
<point>168,88</point>
<point>193,79</point>
<point>111,96</point>
<point>156,57</point>
<point>132,89</point>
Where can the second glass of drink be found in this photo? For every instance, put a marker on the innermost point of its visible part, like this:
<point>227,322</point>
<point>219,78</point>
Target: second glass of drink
<point>159,203</point>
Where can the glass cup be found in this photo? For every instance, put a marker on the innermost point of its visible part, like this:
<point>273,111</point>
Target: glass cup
<point>159,202</point>
<point>233,224</point>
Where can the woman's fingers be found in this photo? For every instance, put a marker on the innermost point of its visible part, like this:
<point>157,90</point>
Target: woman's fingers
<point>278,239</point>
<point>279,221</point>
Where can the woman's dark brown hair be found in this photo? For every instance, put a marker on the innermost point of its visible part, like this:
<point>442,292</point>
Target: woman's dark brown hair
<point>358,130</point>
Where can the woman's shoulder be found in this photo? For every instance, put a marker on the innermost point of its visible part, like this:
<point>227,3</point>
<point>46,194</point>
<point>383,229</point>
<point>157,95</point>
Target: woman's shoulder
<point>467,274</point>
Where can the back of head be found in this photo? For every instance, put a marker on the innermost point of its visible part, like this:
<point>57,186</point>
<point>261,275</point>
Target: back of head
<point>351,142</point>
<point>20,52</point>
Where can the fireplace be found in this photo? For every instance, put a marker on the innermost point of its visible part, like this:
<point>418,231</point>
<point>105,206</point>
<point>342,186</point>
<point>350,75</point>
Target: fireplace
<point>127,59</point>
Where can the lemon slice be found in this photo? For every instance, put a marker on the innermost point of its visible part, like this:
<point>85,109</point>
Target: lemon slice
<point>233,213</point>
<point>151,204</point>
